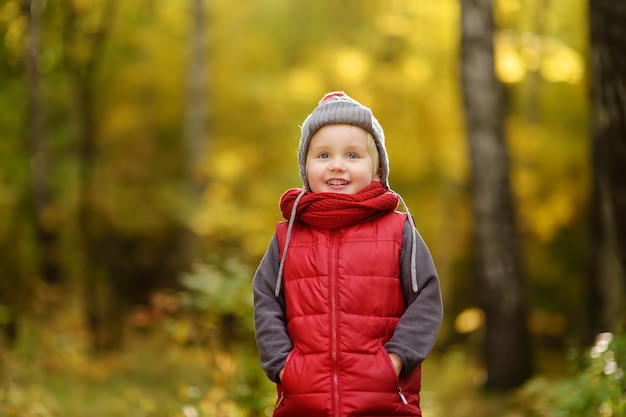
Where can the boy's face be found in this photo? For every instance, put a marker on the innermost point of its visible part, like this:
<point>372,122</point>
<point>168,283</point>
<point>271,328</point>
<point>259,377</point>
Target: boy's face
<point>339,160</point>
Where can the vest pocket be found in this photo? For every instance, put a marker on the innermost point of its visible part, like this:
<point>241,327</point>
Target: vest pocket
<point>283,385</point>
<point>390,366</point>
<point>286,367</point>
<point>400,393</point>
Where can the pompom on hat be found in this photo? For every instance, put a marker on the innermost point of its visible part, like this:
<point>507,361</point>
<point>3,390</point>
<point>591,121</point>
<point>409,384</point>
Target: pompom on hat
<point>338,108</point>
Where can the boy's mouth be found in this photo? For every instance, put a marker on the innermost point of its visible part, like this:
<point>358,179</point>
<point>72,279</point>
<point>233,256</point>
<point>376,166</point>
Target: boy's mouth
<point>336,183</point>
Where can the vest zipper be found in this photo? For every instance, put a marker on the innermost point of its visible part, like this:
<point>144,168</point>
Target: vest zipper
<point>402,397</point>
<point>280,400</point>
<point>333,323</point>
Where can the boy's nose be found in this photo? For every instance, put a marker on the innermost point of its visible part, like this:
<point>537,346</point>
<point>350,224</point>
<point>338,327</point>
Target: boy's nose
<point>337,164</point>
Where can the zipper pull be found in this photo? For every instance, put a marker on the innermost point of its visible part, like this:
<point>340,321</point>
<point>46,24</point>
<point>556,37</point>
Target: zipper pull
<point>402,397</point>
<point>280,400</point>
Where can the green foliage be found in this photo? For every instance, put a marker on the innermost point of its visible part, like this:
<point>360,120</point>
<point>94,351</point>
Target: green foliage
<point>224,289</point>
<point>221,295</point>
<point>597,389</point>
<point>216,306</point>
<point>51,372</point>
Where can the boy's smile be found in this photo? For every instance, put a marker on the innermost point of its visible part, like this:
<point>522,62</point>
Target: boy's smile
<point>339,160</point>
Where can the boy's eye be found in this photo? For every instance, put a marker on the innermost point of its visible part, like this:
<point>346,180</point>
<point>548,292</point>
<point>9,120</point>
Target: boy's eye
<point>352,155</point>
<point>323,155</point>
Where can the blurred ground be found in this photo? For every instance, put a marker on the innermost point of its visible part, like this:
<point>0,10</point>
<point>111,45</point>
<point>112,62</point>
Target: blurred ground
<point>50,375</point>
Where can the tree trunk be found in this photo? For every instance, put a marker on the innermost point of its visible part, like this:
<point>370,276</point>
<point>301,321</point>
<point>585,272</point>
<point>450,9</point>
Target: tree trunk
<point>608,202</point>
<point>195,129</point>
<point>101,302</point>
<point>195,121</point>
<point>45,228</point>
<point>507,343</point>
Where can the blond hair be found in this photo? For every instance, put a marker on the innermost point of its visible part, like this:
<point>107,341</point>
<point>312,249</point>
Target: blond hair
<point>373,151</point>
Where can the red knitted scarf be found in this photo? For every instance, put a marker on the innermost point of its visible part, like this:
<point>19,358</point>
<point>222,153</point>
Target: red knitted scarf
<point>333,210</point>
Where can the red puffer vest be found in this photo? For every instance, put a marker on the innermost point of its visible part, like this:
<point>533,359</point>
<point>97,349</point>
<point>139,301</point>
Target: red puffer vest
<point>343,301</point>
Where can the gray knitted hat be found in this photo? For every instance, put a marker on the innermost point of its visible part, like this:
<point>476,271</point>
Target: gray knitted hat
<point>337,108</point>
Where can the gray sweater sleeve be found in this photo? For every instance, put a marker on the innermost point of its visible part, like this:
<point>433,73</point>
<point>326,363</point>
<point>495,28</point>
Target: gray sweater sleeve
<point>415,334</point>
<point>270,325</point>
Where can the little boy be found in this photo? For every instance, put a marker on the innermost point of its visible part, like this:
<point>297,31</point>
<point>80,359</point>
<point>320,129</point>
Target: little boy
<point>347,302</point>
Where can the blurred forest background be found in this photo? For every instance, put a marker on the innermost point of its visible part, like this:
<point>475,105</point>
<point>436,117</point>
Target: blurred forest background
<point>144,145</point>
